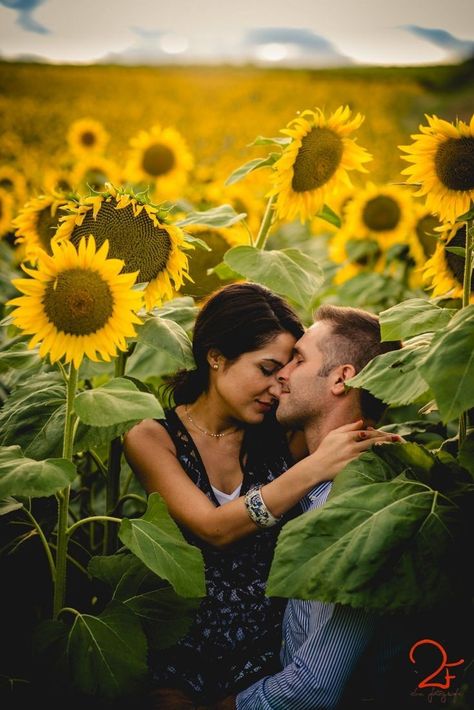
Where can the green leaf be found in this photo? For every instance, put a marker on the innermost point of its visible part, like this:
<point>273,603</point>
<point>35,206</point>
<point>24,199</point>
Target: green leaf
<point>394,377</point>
<point>158,542</point>
<point>33,416</point>
<point>165,615</point>
<point>413,317</point>
<point>289,272</point>
<point>21,476</point>
<point>18,357</point>
<point>389,537</point>
<point>330,216</point>
<point>449,365</point>
<point>224,272</point>
<point>98,437</point>
<point>182,310</point>
<point>166,335</point>
<point>279,140</point>
<point>118,401</point>
<point>106,654</point>
<point>222,216</point>
<point>252,165</point>
<point>150,365</point>
<point>8,505</point>
<point>459,251</point>
<point>362,250</point>
<point>195,240</point>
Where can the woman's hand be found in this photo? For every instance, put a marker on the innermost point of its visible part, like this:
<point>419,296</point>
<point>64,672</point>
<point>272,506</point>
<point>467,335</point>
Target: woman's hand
<point>344,444</point>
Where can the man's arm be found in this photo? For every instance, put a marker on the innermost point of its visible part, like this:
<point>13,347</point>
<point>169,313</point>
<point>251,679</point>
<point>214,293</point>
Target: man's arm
<point>320,668</point>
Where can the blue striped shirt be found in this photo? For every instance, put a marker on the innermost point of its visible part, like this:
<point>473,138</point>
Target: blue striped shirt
<point>322,643</point>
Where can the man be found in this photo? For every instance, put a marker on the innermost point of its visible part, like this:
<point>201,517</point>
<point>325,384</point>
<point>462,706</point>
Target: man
<point>323,643</point>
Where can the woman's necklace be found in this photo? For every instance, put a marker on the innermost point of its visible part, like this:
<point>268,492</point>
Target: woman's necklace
<point>204,431</point>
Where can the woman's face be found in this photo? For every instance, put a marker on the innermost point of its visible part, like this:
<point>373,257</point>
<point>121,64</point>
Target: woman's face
<point>248,386</point>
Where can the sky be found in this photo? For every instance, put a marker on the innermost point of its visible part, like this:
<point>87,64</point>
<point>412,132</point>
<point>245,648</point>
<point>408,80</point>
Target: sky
<point>265,32</point>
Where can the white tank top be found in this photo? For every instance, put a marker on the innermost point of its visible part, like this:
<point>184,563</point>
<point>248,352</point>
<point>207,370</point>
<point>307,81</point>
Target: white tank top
<point>226,497</point>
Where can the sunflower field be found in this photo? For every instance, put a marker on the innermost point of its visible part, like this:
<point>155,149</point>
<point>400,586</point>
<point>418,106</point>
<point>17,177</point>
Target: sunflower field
<point>127,195</point>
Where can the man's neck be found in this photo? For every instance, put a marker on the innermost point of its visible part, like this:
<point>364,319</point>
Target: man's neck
<point>316,429</point>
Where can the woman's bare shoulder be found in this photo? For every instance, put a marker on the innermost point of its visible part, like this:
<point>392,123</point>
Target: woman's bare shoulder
<point>149,432</point>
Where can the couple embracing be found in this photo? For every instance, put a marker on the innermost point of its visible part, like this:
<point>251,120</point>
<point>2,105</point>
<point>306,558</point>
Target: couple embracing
<point>256,433</point>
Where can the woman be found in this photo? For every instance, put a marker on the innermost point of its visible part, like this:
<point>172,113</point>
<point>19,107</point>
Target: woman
<point>231,477</point>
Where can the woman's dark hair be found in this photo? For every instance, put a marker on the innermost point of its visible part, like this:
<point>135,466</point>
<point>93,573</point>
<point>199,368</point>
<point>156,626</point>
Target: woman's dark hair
<point>235,319</point>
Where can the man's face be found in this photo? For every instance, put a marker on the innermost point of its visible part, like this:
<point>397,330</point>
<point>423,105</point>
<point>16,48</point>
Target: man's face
<point>305,395</point>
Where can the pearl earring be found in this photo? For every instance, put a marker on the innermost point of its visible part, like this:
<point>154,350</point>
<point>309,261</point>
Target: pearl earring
<point>215,366</point>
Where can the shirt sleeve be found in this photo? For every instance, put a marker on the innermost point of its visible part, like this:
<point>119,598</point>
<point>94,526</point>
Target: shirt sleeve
<point>320,669</point>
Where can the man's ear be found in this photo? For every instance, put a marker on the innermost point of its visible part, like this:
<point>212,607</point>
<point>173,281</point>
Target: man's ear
<point>340,375</point>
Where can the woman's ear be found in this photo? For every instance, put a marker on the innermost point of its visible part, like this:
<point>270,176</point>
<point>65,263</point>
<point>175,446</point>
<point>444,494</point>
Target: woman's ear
<point>214,356</point>
<point>341,374</point>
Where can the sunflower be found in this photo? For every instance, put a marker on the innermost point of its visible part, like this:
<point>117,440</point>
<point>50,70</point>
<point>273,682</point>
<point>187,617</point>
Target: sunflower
<point>444,271</point>
<point>6,212</point>
<point>219,240</point>
<point>426,225</point>
<point>384,212</point>
<point>354,255</point>
<point>443,165</point>
<point>77,303</point>
<point>37,222</point>
<point>58,181</point>
<point>13,182</point>
<point>136,235</point>
<point>86,136</point>
<point>315,164</point>
<point>93,172</point>
<point>159,158</point>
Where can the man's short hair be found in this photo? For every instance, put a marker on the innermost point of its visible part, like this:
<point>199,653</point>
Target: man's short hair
<point>356,341</point>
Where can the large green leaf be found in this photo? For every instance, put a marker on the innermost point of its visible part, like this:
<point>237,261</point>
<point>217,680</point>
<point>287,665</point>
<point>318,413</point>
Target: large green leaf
<point>182,310</point>
<point>389,538</point>
<point>21,476</point>
<point>222,216</point>
<point>119,400</point>
<point>98,437</point>
<point>165,615</point>
<point>106,655</point>
<point>289,272</point>
<point>449,365</point>
<point>164,334</point>
<point>394,377</point>
<point>33,416</point>
<point>413,317</point>
<point>158,542</point>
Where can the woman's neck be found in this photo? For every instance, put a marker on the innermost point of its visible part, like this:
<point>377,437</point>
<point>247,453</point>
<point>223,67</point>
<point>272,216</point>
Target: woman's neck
<point>208,413</point>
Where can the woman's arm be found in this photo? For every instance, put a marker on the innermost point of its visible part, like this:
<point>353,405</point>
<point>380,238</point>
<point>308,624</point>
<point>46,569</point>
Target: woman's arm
<point>151,454</point>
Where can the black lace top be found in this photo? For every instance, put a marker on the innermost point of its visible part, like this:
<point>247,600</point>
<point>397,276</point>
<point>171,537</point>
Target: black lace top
<point>236,635</point>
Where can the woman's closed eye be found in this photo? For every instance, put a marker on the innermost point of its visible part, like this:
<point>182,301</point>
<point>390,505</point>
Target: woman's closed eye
<point>267,371</point>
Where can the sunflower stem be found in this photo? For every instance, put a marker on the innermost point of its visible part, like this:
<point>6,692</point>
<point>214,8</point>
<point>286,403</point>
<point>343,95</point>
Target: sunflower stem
<point>63,497</point>
<point>466,297</point>
<point>113,470</point>
<point>266,224</point>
